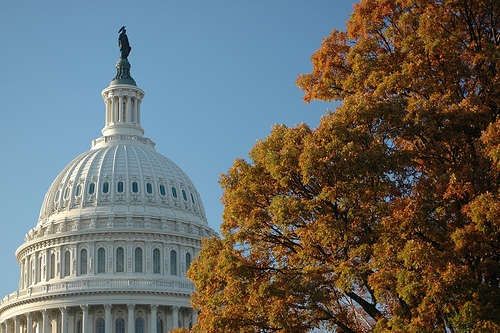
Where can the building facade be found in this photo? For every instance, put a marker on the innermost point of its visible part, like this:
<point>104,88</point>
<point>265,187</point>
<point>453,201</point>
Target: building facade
<point>117,231</point>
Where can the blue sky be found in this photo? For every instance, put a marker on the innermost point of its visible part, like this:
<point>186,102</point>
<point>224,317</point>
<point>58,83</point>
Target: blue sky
<point>217,76</point>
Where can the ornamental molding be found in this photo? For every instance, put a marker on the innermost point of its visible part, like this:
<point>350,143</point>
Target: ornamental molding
<point>84,240</point>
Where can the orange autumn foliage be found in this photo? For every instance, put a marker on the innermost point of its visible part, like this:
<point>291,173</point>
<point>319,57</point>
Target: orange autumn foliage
<point>386,217</point>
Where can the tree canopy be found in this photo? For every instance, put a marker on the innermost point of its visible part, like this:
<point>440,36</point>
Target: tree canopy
<point>386,217</point>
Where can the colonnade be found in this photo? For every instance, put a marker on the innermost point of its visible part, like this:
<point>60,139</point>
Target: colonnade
<point>106,318</point>
<point>123,105</point>
<point>123,109</point>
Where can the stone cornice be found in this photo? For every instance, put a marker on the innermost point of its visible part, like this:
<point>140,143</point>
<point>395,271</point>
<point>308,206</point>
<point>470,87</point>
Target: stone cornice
<point>122,138</point>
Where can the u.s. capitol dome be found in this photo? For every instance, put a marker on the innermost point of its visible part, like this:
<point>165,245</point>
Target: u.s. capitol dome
<point>117,231</point>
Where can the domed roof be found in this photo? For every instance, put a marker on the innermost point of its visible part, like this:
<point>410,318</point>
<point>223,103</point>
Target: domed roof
<point>124,175</point>
<point>117,232</point>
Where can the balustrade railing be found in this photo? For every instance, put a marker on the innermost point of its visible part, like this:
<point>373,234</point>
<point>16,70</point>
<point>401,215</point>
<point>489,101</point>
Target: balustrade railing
<point>97,284</point>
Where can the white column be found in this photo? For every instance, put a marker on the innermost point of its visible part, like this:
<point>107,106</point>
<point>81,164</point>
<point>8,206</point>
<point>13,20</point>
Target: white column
<point>29,323</point>
<point>71,322</point>
<point>90,322</point>
<point>7,326</point>
<point>26,276</point>
<point>64,319</point>
<point>107,318</point>
<point>31,275</point>
<point>36,278</point>
<point>130,319</point>
<point>45,321</point>
<point>60,262</point>
<point>128,115</point>
<point>152,325</point>
<point>138,111</point>
<point>175,316</point>
<point>120,108</point>
<point>22,280</point>
<point>107,102</point>
<point>40,266</point>
<point>33,264</point>
<point>16,324</point>
<point>46,267</point>
<point>113,109</point>
<point>85,310</point>
<point>134,110</point>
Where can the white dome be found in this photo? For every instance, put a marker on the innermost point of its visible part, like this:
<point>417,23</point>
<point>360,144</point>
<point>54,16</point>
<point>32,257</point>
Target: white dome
<point>117,232</point>
<point>124,175</point>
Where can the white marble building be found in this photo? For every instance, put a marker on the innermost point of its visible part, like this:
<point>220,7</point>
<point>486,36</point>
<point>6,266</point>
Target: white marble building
<point>117,231</point>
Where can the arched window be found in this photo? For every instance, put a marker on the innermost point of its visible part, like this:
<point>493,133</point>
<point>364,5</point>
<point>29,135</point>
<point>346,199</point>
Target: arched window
<point>192,198</point>
<point>105,187</point>
<point>135,187</point>
<point>159,325</point>
<point>119,187</point>
<point>184,196</point>
<point>120,260</point>
<point>188,260</point>
<point>149,188</point>
<point>79,327</point>
<point>139,325</point>
<point>173,262</point>
<point>174,192</point>
<point>78,190</point>
<point>120,325</point>
<point>138,260</point>
<point>67,263</point>
<point>66,192</point>
<point>52,266</point>
<point>156,261</point>
<point>162,190</point>
<point>83,261</point>
<point>99,325</point>
<point>101,260</point>
<point>91,188</point>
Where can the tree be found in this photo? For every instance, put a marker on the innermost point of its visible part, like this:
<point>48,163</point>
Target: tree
<point>179,330</point>
<point>386,217</point>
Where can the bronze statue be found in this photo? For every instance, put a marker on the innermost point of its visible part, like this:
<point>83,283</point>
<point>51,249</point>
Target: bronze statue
<point>123,43</point>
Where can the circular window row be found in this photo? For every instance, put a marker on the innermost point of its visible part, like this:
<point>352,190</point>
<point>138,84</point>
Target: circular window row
<point>120,188</point>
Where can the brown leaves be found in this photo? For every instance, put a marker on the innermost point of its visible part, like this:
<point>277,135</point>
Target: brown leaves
<point>386,216</point>
<point>330,70</point>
